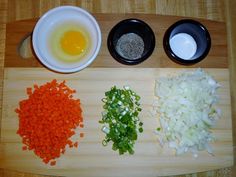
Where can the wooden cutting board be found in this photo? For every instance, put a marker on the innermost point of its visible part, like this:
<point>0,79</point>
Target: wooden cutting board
<point>91,158</point>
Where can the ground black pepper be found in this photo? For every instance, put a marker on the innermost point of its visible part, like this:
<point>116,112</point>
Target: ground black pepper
<point>130,46</point>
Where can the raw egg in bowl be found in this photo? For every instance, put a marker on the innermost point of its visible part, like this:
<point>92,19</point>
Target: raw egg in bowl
<point>66,39</point>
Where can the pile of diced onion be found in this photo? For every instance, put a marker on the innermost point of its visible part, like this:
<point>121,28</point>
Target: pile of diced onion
<point>186,105</point>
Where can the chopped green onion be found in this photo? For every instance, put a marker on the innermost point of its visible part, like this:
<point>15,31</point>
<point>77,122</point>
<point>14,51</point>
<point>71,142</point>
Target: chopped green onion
<point>140,130</point>
<point>120,119</point>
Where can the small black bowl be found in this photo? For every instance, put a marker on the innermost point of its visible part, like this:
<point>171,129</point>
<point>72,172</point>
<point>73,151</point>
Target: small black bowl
<point>197,31</point>
<point>127,26</point>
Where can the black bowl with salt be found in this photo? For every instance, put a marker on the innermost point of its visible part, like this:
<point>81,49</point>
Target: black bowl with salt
<point>187,42</point>
<point>131,41</point>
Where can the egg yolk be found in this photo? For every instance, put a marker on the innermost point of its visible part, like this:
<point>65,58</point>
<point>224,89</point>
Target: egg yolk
<point>73,42</point>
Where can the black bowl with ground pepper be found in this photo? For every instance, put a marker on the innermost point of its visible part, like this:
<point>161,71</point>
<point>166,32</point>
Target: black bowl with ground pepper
<point>131,41</point>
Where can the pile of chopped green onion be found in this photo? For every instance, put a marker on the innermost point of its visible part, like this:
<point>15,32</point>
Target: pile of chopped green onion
<point>120,119</point>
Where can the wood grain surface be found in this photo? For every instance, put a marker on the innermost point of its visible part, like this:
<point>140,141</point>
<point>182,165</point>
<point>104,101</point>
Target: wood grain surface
<point>91,158</point>
<point>219,10</point>
<point>217,57</point>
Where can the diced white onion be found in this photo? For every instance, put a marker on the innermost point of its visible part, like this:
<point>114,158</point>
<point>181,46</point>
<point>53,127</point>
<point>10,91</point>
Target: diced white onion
<point>186,105</point>
<point>105,129</point>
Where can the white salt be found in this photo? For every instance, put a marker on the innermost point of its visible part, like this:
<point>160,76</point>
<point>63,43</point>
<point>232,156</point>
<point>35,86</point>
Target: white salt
<point>183,45</point>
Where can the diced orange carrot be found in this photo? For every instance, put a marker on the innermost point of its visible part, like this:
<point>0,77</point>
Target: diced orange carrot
<point>52,163</point>
<point>76,144</point>
<point>81,135</point>
<point>24,148</point>
<point>48,118</point>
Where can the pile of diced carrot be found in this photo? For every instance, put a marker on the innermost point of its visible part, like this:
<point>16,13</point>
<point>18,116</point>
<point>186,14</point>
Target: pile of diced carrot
<point>48,119</point>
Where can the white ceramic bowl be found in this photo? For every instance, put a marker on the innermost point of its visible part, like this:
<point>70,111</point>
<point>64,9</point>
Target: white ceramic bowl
<point>60,16</point>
